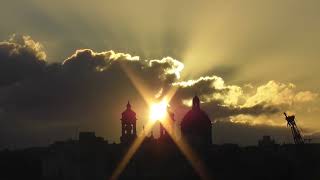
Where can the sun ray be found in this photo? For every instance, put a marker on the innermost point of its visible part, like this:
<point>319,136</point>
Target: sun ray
<point>138,84</point>
<point>131,151</point>
<point>143,90</point>
<point>188,152</point>
<point>191,156</point>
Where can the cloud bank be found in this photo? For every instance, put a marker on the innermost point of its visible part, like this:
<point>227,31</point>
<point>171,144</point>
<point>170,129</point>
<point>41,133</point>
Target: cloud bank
<point>89,90</point>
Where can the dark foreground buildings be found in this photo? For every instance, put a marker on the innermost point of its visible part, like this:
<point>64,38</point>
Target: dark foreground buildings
<point>93,158</point>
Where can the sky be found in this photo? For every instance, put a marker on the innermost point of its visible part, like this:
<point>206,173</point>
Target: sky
<point>70,66</point>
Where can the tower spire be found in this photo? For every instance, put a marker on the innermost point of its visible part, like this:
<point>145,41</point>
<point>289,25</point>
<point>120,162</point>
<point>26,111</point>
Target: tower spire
<point>196,102</point>
<point>128,105</point>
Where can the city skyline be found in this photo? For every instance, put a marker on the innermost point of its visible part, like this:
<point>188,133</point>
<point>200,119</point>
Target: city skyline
<point>72,66</point>
<point>159,89</point>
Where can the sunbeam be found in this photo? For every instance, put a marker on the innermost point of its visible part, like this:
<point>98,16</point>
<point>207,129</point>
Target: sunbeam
<point>157,113</point>
<point>131,151</point>
<point>187,151</point>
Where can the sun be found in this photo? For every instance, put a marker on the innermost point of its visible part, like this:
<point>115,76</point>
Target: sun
<point>158,111</point>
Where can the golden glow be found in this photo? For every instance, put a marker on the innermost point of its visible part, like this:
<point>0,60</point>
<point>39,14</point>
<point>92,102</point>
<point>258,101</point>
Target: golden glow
<point>143,90</point>
<point>158,111</point>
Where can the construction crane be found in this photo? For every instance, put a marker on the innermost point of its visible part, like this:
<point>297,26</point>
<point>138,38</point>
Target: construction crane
<point>294,129</point>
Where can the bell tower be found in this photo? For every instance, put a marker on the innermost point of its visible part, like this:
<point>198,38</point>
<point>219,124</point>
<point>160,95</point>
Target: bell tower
<point>128,125</point>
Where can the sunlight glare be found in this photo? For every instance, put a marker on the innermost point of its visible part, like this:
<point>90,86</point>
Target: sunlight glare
<point>158,111</point>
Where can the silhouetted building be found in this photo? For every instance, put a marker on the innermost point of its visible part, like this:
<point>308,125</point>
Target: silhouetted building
<point>93,158</point>
<point>266,141</point>
<point>128,125</point>
<point>89,137</point>
<point>196,126</point>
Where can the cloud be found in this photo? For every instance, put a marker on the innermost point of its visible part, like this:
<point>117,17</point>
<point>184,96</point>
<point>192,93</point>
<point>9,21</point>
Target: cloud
<point>86,59</point>
<point>242,103</point>
<point>86,72</point>
<point>305,96</point>
<point>25,44</point>
<point>89,90</point>
<point>167,66</point>
<point>20,58</point>
<point>241,42</point>
<point>85,91</point>
<point>276,93</point>
<point>210,88</point>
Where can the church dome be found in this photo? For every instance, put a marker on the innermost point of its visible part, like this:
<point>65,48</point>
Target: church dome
<point>195,119</point>
<point>196,123</point>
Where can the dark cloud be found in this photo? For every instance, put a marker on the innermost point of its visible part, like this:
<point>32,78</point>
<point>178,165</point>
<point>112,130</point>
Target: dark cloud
<point>85,91</point>
<point>204,86</point>
<point>20,58</point>
<point>218,111</point>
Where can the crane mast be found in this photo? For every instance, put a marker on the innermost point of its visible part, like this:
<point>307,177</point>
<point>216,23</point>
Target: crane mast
<point>294,129</point>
